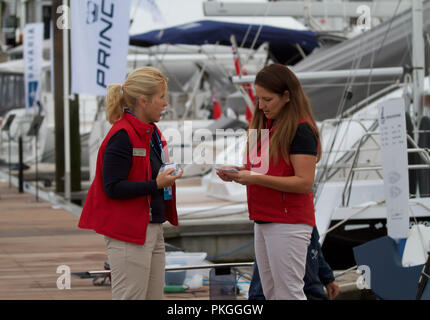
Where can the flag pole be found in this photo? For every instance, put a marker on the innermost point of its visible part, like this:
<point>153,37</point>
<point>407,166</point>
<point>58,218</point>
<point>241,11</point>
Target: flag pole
<point>67,165</point>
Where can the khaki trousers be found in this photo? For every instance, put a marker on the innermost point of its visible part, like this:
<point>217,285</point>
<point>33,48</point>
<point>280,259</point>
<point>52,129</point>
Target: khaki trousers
<point>280,250</point>
<point>137,271</point>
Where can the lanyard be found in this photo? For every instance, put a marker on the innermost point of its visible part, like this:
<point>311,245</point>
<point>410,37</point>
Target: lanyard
<point>130,112</point>
<point>161,156</point>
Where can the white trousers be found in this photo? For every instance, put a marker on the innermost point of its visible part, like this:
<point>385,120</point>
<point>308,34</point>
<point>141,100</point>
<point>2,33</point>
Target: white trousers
<point>280,250</point>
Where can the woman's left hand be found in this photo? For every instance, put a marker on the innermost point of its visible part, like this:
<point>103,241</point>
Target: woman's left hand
<point>244,177</point>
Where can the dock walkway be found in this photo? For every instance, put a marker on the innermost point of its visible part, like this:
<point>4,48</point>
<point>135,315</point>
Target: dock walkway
<point>38,237</point>
<point>35,239</point>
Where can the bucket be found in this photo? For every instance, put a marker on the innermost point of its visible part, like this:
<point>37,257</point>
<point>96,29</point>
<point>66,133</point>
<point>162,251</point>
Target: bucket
<point>175,278</point>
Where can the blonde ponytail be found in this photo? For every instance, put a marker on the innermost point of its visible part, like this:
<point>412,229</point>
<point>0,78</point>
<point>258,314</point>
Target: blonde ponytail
<point>144,81</point>
<point>114,103</point>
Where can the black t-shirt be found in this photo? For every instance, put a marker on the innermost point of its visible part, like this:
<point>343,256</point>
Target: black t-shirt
<point>304,141</point>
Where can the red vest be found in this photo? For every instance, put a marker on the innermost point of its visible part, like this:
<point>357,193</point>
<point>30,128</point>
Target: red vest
<point>267,204</point>
<point>125,220</point>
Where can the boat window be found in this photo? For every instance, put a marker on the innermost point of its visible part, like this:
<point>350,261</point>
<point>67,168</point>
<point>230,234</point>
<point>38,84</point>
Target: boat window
<point>11,92</point>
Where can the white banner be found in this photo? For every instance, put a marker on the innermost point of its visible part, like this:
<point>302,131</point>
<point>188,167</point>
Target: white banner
<point>33,55</point>
<point>392,126</point>
<point>99,43</point>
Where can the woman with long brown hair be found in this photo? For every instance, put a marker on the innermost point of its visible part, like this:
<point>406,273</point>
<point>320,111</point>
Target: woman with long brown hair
<point>279,181</point>
<point>126,203</point>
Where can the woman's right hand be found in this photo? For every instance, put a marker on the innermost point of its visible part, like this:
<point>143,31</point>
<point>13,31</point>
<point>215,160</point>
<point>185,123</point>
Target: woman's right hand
<point>164,179</point>
<point>225,176</point>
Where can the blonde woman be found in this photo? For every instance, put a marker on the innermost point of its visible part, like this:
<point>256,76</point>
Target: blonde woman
<point>126,202</point>
<point>279,186</point>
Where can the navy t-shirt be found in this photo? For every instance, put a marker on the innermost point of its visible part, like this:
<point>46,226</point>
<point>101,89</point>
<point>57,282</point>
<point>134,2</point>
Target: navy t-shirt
<point>116,166</point>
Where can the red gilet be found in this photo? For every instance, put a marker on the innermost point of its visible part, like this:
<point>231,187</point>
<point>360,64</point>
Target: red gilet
<point>267,204</point>
<point>125,220</point>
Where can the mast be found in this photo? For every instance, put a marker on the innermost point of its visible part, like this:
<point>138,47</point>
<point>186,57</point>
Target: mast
<point>417,60</point>
<point>58,87</point>
<point>66,103</point>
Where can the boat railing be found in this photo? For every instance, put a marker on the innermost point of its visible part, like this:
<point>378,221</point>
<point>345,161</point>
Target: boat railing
<point>354,167</point>
<point>177,268</point>
<point>360,121</point>
<point>365,102</point>
<point>341,163</point>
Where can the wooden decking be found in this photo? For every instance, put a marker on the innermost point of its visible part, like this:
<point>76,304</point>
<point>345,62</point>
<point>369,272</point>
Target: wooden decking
<point>35,239</point>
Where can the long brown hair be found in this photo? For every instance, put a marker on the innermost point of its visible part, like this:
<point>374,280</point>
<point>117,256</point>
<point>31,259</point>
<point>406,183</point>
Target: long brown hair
<point>278,78</point>
<point>144,81</point>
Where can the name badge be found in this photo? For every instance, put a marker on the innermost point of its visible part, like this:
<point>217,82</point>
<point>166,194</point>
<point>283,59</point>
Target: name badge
<point>137,152</point>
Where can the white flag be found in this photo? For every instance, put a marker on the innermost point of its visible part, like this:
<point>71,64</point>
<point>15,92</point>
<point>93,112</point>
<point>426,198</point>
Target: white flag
<point>99,44</point>
<point>33,55</point>
<point>392,126</point>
